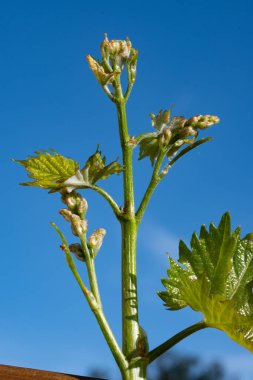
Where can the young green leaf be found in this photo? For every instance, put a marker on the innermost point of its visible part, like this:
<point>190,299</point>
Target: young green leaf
<point>96,169</point>
<point>49,170</point>
<point>102,77</point>
<point>149,147</point>
<point>161,120</point>
<point>215,277</point>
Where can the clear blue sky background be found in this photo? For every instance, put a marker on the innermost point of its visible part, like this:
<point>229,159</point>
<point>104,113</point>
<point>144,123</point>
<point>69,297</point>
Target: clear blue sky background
<point>194,54</point>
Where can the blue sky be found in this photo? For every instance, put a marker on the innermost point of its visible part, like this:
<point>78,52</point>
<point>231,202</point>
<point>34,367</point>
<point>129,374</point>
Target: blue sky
<point>196,55</point>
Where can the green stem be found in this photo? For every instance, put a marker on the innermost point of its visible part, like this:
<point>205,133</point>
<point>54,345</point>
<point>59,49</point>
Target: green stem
<point>145,135</point>
<point>155,179</point>
<point>189,148</point>
<point>83,185</point>
<point>89,261</point>
<point>95,307</point>
<point>108,93</point>
<point>154,354</point>
<point>136,373</point>
<point>128,91</point>
<point>130,325</point>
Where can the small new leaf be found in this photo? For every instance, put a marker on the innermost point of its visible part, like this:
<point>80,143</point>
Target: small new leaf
<point>215,277</point>
<point>101,75</point>
<point>96,168</point>
<point>161,120</point>
<point>149,147</point>
<point>49,170</point>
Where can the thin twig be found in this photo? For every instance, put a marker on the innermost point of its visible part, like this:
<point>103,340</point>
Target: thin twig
<point>155,179</point>
<point>89,261</point>
<point>98,312</point>
<point>108,93</point>
<point>156,352</point>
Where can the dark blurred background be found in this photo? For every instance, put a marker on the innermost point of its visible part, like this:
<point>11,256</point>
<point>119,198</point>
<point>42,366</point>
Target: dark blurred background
<point>176,366</point>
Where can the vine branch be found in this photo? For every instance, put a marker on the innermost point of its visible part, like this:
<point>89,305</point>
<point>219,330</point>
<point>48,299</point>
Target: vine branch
<point>94,305</point>
<point>90,265</point>
<point>168,344</point>
<point>155,179</point>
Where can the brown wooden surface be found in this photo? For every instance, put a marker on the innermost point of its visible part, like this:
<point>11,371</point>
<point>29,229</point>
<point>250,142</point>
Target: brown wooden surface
<point>19,373</point>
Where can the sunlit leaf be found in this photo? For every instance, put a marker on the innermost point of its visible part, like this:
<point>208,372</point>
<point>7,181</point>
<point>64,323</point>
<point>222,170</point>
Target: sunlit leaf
<point>48,169</point>
<point>96,168</point>
<point>215,277</point>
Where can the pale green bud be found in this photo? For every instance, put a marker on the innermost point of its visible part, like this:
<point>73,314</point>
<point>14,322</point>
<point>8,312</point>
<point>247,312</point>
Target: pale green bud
<point>70,199</point>
<point>104,49</point>
<point>188,131</point>
<point>96,240</point>
<point>132,65</point>
<point>66,214</point>
<point>76,203</point>
<point>202,121</point>
<point>179,143</point>
<point>117,51</point>
<point>82,207</point>
<point>79,226</point>
<point>164,137</point>
<point>77,250</point>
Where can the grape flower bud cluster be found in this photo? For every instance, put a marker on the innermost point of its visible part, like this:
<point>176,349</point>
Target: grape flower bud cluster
<point>185,131</point>
<point>179,128</point>
<point>115,55</point>
<point>172,133</point>
<point>75,215</point>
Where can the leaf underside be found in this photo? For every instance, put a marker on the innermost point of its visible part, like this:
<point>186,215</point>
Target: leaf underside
<point>215,277</point>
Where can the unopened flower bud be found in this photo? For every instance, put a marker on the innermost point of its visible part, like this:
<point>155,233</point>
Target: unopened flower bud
<point>167,135</point>
<point>117,51</point>
<point>79,226</point>
<point>104,48</point>
<point>96,240</point>
<point>67,214</point>
<point>188,131</point>
<point>202,122</point>
<point>77,250</point>
<point>193,121</point>
<point>82,207</point>
<point>164,137</point>
<point>76,203</point>
<point>179,143</point>
<point>70,199</point>
<point>131,65</point>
